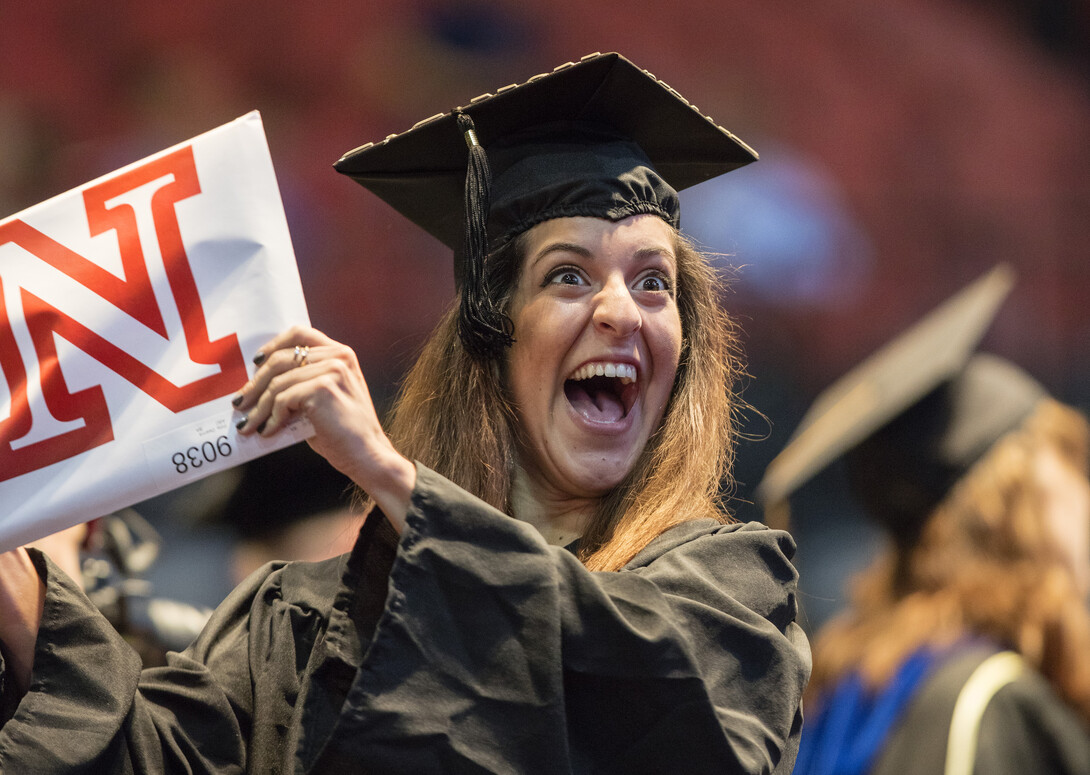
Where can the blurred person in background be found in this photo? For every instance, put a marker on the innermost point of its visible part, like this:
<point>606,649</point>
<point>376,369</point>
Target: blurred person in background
<point>288,505</point>
<point>583,385</point>
<point>109,558</point>
<point>966,644</point>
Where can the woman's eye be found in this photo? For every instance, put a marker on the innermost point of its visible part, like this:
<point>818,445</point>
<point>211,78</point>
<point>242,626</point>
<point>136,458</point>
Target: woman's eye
<point>653,282</point>
<point>564,277</point>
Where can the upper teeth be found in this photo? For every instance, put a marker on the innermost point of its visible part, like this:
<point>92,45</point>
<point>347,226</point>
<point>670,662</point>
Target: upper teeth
<point>623,371</point>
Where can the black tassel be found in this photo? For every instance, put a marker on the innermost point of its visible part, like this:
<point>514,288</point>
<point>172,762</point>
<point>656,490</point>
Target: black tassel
<point>483,328</point>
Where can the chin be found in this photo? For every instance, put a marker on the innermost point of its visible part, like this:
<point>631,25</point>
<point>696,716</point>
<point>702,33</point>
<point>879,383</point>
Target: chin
<point>596,477</point>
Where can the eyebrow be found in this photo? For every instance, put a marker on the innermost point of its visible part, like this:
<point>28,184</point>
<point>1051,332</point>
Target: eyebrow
<point>582,251</point>
<point>561,247</point>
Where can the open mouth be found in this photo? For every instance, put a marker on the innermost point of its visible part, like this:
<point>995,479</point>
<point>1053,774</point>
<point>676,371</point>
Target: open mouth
<point>603,392</point>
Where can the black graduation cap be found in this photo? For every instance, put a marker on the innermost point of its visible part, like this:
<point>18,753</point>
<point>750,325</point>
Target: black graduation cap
<point>600,137</point>
<point>913,417</point>
<point>282,488</point>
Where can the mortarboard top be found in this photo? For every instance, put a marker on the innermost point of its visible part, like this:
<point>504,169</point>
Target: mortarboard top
<point>914,416</point>
<point>598,137</point>
<point>282,488</point>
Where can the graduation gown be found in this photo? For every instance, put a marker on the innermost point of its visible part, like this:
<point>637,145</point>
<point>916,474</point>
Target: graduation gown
<point>1025,729</point>
<point>1014,722</point>
<point>466,645</point>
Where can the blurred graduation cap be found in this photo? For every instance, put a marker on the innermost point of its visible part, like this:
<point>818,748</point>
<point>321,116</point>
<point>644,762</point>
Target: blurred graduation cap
<point>912,418</point>
<point>600,137</point>
<point>281,488</point>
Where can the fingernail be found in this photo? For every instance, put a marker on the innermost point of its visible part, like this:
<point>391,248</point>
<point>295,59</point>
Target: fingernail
<point>237,400</point>
<point>259,359</point>
<point>261,427</point>
<point>240,423</point>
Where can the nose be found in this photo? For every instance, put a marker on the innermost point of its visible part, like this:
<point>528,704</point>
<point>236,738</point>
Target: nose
<point>615,311</point>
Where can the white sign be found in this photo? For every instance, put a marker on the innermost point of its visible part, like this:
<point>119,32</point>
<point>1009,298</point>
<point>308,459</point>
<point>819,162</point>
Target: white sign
<point>130,309</point>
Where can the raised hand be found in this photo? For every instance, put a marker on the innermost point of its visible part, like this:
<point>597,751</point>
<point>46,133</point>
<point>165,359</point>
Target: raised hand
<point>302,372</point>
<point>22,597</point>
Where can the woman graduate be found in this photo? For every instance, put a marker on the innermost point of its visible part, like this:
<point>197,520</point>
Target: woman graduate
<point>581,385</point>
<point>967,644</point>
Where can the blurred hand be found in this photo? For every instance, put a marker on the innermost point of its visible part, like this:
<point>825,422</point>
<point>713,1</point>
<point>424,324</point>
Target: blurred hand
<point>304,373</point>
<point>64,549</point>
<point>22,598</point>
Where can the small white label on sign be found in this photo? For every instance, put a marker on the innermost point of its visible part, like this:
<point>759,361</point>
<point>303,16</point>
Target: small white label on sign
<point>212,445</point>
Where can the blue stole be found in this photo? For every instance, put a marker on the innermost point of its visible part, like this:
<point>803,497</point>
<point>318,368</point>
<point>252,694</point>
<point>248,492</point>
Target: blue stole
<point>852,723</point>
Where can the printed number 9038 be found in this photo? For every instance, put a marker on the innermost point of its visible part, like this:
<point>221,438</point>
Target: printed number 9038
<point>195,457</point>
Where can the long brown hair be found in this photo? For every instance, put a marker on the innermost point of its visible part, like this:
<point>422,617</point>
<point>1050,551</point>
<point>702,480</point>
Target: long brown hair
<point>453,416</point>
<point>985,564</point>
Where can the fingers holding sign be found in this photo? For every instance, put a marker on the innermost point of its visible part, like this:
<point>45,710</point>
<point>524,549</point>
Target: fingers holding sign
<point>304,373</point>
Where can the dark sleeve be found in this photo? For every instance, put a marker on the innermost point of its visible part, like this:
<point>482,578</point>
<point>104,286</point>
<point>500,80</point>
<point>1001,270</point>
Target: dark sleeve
<point>1027,729</point>
<point>499,653</point>
<point>89,709</point>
